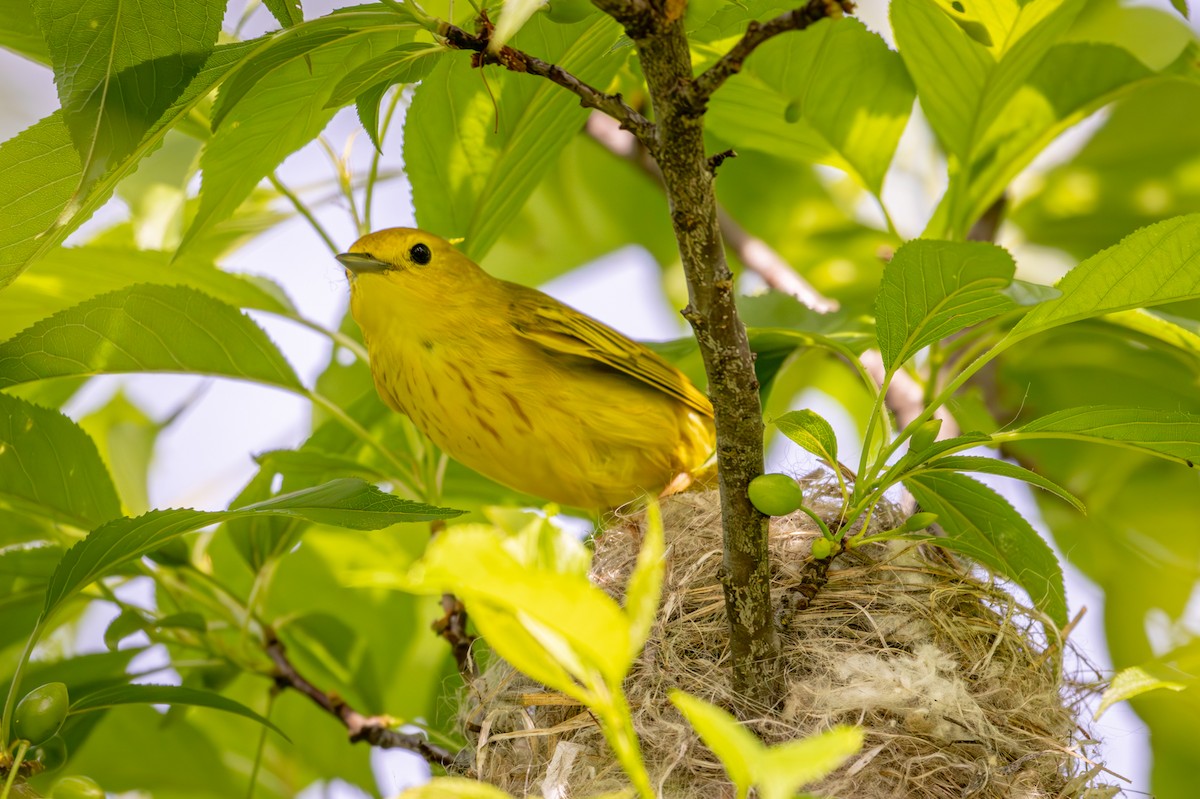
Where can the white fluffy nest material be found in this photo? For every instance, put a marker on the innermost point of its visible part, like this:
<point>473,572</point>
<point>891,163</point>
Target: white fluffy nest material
<point>952,680</point>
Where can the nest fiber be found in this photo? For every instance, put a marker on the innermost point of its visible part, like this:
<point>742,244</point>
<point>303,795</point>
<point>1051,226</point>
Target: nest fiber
<point>953,681</point>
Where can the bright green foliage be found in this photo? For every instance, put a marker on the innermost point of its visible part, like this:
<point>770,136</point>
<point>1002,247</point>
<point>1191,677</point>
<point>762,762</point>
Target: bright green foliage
<point>933,289</point>
<point>777,771</point>
<point>1177,670</point>
<point>479,151</point>
<point>984,526</point>
<point>809,430</point>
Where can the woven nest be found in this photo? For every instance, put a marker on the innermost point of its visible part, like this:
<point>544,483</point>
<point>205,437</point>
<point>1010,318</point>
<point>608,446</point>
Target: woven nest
<point>951,678</point>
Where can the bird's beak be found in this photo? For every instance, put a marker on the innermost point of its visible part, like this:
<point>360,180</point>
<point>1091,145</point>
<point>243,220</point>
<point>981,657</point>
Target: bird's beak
<point>361,263</point>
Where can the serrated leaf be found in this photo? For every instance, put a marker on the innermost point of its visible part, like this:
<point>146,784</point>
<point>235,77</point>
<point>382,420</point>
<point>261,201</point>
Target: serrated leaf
<point>175,695</point>
<point>810,430</point>
<point>366,105</point>
<point>407,63</point>
<point>119,65</point>
<point>984,465</point>
<point>348,502</point>
<point>469,180</point>
<point>1155,265</point>
<point>736,747</point>
<point>42,171</point>
<point>146,328</point>
<point>48,464</point>
<point>803,76</point>
<point>295,45</point>
<point>71,275</point>
<point>280,113</point>
<point>933,289</point>
<point>981,524</point>
<point>1174,435</point>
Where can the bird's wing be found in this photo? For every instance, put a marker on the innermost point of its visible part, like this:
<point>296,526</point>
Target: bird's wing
<point>560,328</point>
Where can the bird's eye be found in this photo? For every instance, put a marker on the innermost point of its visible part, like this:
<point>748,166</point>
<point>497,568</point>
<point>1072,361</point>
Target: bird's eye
<point>420,254</point>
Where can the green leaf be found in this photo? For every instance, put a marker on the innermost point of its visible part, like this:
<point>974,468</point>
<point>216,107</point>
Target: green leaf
<point>1174,435</point>
<point>50,465</point>
<point>366,105</point>
<point>280,113</point>
<point>119,65</point>
<point>735,746</point>
<point>71,275</point>
<point>42,172</point>
<point>790,766</point>
<point>981,524</point>
<point>287,12</point>
<point>470,179</point>
<point>1175,671</point>
<point>1156,265</point>
<point>126,623</point>
<point>984,465</point>
<point>407,63</point>
<point>575,624</point>
<point>810,430</point>
<point>296,47</point>
<point>146,328</point>
<point>964,83</point>
<point>20,33</point>
<point>933,289</point>
<point>790,100</point>
<point>348,502</point>
<point>164,695</point>
<point>513,16</point>
<point>644,592</point>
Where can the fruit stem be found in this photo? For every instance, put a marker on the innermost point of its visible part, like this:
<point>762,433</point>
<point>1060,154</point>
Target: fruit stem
<point>22,748</point>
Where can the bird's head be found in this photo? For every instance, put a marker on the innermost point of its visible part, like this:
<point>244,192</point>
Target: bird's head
<point>407,259</point>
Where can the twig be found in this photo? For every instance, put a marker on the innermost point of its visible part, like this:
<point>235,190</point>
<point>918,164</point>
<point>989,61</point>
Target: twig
<point>453,627</point>
<point>375,730</point>
<point>517,61</point>
<point>756,33</point>
<point>757,256</point>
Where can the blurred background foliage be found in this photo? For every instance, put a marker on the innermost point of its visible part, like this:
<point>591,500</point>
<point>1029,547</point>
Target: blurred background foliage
<point>821,123</point>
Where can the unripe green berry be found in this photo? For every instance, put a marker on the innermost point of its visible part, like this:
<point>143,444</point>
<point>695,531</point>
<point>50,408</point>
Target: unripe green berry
<point>919,521</point>
<point>52,753</point>
<point>776,494</point>
<point>821,548</point>
<point>41,713</point>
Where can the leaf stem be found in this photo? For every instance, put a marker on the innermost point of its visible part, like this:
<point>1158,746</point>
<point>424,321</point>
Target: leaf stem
<point>10,702</point>
<point>304,211</point>
<point>404,474</point>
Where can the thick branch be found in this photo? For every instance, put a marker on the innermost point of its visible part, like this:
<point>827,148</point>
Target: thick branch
<point>758,256</point>
<point>756,33</point>
<point>517,61</point>
<point>375,730</point>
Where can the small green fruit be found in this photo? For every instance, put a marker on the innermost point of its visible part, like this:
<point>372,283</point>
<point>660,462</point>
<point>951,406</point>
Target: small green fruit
<point>776,494</point>
<point>565,12</point>
<point>821,548</point>
<point>76,788</point>
<point>52,754</point>
<point>919,521</point>
<point>925,435</point>
<point>41,713</point>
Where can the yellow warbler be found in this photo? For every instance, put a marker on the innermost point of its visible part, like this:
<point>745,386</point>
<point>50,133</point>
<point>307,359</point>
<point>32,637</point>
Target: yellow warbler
<point>517,385</point>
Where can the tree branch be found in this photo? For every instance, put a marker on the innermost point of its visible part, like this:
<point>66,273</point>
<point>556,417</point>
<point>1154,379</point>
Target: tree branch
<point>756,33</point>
<point>375,730</point>
<point>518,61</point>
<point>758,256</point>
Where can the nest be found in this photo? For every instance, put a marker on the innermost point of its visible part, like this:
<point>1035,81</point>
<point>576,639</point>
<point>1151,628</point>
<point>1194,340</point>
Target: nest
<point>954,682</point>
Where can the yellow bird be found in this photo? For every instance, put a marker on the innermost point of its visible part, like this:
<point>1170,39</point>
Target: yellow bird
<point>518,386</point>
